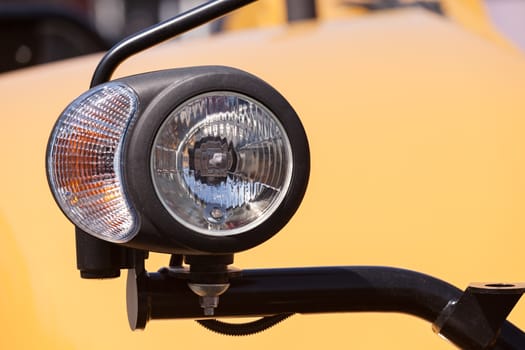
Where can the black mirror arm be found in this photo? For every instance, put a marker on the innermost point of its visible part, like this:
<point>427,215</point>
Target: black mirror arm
<point>160,32</point>
<point>261,292</point>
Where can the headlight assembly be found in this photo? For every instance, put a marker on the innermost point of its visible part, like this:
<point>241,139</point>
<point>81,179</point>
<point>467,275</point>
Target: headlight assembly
<point>198,160</point>
<point>199,163</point>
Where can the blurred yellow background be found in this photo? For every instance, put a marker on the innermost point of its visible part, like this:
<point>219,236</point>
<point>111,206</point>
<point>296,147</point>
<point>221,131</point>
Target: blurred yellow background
<point>416,128</point>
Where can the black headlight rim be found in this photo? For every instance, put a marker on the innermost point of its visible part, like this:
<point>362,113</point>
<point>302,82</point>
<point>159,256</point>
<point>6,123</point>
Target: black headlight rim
<point>186,84</point>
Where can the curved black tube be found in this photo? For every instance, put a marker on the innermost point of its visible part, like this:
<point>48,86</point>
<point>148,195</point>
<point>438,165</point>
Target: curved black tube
<point>339,289</point>
<point>303,290</point>
<point>307,290</point>
<point>158,33</point>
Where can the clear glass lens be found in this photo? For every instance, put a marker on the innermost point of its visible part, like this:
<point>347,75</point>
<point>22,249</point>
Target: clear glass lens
<point>221,163</point>
<point>84,162</point>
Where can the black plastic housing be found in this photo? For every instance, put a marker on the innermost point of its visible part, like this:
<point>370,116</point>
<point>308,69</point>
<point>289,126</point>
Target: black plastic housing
<point>98,259</point>
<point>159,94</point>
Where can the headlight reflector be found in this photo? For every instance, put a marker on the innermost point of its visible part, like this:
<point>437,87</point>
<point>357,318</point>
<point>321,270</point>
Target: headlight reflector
<point>221,163</point>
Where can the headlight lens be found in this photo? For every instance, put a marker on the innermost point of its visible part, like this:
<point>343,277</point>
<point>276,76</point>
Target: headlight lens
<point>221,163</point>
<point>84,162</point>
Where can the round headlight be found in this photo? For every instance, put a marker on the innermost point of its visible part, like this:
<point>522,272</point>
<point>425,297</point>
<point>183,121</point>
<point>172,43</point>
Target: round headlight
<point>221,163</point>
<point>198,160</point>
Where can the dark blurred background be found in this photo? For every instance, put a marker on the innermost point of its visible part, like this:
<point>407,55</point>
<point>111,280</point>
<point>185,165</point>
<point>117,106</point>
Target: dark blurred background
<point>40,31</point>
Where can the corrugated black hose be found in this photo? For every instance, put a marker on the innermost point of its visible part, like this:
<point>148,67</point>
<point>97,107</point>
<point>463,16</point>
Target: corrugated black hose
<point>243,329</point>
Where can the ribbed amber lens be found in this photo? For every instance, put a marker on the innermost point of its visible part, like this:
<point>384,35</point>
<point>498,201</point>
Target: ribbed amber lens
<point>84,162</point>
<point>221,163</point>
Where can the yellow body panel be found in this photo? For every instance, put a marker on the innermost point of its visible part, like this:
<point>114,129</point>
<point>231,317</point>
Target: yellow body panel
<point>418,161</point>
<point>470,14</point>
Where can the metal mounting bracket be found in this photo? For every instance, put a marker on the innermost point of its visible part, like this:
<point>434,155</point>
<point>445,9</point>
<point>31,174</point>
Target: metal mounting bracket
<point>479,313</point>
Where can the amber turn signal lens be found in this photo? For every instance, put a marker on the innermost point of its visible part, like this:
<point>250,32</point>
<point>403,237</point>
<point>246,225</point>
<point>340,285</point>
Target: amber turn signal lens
<point>84,163</point>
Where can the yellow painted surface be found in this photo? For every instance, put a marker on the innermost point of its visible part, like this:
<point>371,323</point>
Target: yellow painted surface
<point>469,14</point>
<point>418,161</point>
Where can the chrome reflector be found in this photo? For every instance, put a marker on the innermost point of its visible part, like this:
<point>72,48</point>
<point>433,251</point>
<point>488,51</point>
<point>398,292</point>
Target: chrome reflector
<point>221,163</point>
